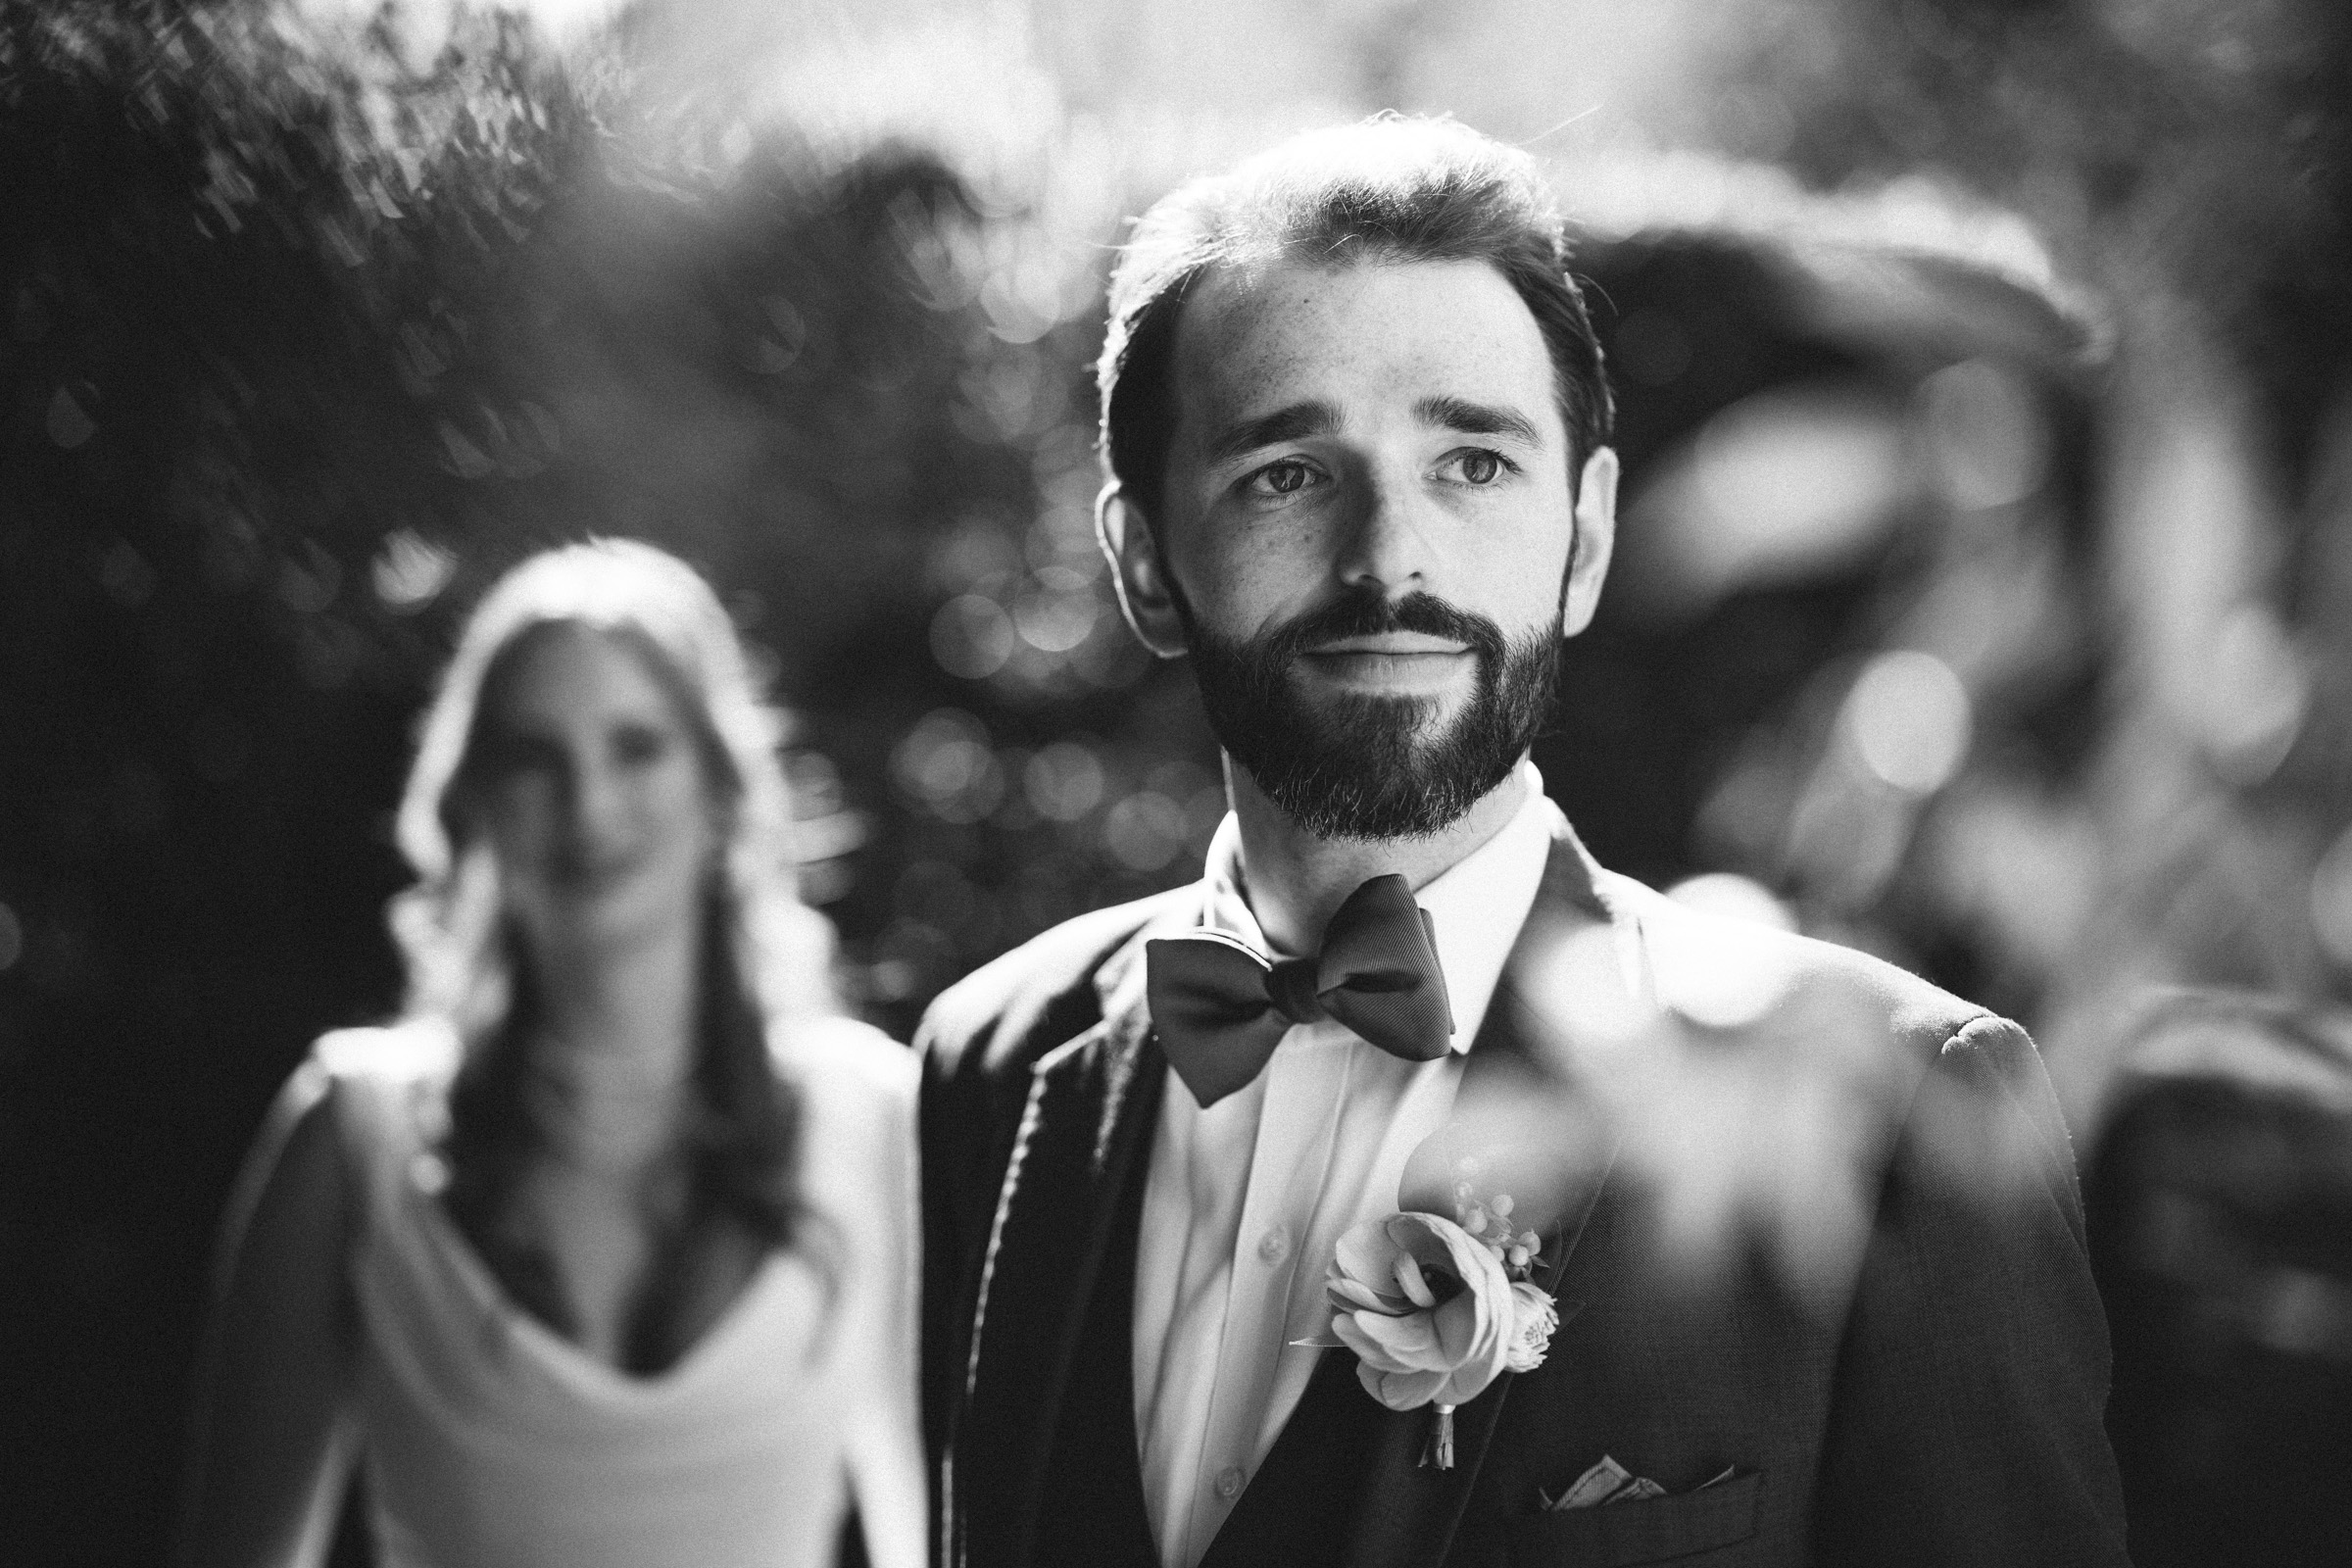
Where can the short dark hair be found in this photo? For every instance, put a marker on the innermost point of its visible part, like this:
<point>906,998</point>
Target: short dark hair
<point>1393,188</point>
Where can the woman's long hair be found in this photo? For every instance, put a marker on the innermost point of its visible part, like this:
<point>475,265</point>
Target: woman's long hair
<point>766,955</point>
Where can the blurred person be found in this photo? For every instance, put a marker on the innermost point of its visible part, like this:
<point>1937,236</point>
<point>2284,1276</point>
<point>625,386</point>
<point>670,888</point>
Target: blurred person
<point>605,1252</point>
<point>2219,1194</point>
<point>1259,1223</point>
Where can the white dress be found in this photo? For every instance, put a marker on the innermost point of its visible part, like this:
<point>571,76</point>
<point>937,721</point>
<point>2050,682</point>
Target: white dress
<point>490,1440</point>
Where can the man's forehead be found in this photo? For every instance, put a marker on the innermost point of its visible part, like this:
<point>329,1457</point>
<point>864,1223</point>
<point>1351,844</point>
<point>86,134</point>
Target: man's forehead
<point>1254,331</point>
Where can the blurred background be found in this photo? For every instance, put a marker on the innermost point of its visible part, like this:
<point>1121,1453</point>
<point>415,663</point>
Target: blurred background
<point>1984,599</point>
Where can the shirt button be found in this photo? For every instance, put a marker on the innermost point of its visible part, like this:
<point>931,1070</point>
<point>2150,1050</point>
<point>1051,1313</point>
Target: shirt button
<point>1273,1247</point>
<point>1229,1482</point>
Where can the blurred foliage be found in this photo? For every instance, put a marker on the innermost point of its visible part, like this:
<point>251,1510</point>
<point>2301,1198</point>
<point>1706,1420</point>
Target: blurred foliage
<point>2161,732</point>
<point>304,343</point>
<point>208,433</point>
<point>2210,144</point>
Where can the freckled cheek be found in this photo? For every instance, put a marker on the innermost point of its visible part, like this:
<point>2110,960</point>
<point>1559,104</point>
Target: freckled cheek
<point>1241,576</point>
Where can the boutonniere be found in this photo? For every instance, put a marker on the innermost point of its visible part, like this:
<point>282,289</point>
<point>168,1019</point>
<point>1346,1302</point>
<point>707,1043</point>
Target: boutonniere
<point>1437,1308</point>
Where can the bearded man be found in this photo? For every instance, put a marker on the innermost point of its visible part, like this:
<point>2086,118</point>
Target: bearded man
<point>1287,1217</point>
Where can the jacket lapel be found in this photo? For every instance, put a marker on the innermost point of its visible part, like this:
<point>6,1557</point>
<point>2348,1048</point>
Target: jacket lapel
<point>1510,1108</point>
<point>1085,1132</point>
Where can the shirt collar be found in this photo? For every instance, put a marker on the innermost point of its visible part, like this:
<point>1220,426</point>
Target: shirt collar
<point>1477,905</point>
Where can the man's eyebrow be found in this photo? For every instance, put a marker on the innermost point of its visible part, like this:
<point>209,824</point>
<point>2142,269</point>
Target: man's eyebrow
<point>1476,419</point>
<point>1292,424</point>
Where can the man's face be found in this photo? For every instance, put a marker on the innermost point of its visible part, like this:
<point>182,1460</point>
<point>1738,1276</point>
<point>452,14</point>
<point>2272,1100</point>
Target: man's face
<point>1366,535</point>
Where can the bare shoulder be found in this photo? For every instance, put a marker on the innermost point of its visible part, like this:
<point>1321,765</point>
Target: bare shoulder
<point>857,1091</point>
<point>298,1158</point>
<point>296,1197</point>
<point>402,1054</point>
<point>298,1154</point>
<point>846,1063</point>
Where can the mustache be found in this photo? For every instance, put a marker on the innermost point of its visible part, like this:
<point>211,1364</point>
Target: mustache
<point>1372,614</point>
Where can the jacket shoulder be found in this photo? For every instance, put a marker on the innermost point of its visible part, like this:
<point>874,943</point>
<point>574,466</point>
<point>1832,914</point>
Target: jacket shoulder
<point>1709,967</point>
<point>1958,1084</point>
<point>1040,993</point>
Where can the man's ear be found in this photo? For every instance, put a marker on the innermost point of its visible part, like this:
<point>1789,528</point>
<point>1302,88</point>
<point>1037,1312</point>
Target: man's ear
<point>1138,572</point>
<point>1595,538</point>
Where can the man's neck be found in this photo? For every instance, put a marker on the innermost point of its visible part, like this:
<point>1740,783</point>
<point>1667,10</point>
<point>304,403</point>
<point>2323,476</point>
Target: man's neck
<point>1296,881</point>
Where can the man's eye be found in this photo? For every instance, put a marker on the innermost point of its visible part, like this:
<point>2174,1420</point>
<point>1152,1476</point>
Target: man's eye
<point>1477,465</point>
<point>1284,478</point>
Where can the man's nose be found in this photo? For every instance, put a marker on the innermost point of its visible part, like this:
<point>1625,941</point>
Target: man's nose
<point>1387,547</point>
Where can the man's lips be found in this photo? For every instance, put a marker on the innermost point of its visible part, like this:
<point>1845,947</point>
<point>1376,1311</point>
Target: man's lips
<point>1407,664</point>
<point>1389,643</point>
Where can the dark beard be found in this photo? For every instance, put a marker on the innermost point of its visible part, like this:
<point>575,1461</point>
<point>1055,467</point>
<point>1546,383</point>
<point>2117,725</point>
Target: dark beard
<point>1358,767</point>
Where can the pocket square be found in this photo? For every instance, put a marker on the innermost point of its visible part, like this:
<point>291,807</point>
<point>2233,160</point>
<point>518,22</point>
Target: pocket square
<point>1611,1481</point>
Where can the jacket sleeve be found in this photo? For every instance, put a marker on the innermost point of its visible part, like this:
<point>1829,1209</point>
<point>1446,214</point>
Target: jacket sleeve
<point>975,1054</point>
<point>1965,1425</point>
<point>952,1115</point>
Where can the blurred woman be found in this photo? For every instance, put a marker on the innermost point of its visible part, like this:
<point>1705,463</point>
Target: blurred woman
<point>604,1253</point>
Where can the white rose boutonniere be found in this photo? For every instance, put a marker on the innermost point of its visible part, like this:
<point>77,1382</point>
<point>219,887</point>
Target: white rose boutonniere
<point>1426,1310</point>
<point>1436,1308</point>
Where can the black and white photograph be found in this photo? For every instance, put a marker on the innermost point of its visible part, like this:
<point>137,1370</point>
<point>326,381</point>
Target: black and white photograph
<point>1111,784</point>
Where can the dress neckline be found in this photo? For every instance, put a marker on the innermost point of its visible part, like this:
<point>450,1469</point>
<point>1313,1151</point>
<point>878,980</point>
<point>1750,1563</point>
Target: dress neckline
<point>567,1360</point>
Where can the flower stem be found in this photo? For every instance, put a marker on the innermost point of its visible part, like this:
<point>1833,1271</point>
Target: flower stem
<point>1438,1453</point>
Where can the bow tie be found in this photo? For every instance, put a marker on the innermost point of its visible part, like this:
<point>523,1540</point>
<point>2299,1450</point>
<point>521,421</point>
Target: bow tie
<point>1220,1008</point>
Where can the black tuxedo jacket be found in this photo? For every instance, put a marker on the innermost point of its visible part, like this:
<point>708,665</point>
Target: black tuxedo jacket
<point>1944,1408</point>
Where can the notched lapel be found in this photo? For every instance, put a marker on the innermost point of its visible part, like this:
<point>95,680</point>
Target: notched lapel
<point>1523,1130</point>
<point>1085,1132</point>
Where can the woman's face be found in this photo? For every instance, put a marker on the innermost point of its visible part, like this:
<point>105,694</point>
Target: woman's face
<point>595,794</point>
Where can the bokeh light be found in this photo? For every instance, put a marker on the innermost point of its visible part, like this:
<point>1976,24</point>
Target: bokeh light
<point>1988,444</point>
<point>1787,485</point>
<point>945,764</point>
<point>409,570</point>
<point>1144,831</point>
<point>1732,896</point>
<point>971,636</point>
<point>2254,695</point>
<point>1910,720</point>
<point>1058,611</point>
<point>1064,780</point>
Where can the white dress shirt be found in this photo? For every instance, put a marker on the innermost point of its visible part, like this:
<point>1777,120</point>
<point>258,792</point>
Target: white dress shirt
<point>1245,1200</point>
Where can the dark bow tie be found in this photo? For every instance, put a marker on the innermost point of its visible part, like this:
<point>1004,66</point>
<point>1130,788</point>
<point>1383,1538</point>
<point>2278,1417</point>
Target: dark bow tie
<point>1220,1008</point>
